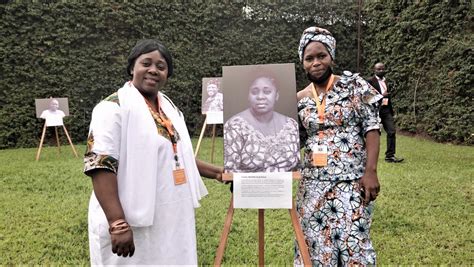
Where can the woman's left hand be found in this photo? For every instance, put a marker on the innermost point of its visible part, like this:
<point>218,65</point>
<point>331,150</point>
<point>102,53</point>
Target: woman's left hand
<point>369,184</point>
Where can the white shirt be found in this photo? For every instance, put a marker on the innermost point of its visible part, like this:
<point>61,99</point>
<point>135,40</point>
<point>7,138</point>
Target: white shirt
<point>53,118</point>
<point>383,85</point>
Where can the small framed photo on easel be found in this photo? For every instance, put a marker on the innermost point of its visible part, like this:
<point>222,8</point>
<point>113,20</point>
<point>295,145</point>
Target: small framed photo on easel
<point>53,110</point>
<point>212,100</point>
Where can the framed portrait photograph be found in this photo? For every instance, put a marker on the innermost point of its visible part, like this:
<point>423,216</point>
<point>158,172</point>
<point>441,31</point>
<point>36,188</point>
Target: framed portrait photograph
<point>260,118</point>
<point>53,110</point>
<point>212,100</point>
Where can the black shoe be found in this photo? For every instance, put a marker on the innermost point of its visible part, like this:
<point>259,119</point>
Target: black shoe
<point>394,160</point>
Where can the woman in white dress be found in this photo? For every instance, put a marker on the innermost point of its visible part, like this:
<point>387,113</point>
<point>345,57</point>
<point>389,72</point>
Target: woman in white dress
<point>146,180</point>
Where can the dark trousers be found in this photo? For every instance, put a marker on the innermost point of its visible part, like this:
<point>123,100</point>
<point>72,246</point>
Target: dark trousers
<point>389,127</point>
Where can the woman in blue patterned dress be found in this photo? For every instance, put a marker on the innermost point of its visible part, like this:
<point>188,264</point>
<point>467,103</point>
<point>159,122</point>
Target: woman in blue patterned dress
<point>340,136</point>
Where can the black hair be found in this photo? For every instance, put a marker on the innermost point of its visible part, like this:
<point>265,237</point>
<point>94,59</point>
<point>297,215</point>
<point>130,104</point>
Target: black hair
<point>258,72</point>
<point>147,46</point>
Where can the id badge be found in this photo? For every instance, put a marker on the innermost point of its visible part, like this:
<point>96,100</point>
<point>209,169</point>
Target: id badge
<point>179,176</point>
<point>320,155</point>
<point>384,101</point>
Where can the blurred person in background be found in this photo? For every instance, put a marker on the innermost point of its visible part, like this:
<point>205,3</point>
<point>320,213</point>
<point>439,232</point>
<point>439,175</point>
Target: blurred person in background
<point>379,82</point>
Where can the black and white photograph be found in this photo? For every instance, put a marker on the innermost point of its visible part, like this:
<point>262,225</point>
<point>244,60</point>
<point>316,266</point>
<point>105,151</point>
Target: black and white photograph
<point>212,98</point>
<point>53,110</point>
<point>260,123</point>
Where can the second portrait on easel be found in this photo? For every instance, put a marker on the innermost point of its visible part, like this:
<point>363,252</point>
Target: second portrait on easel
<point>212,100</point>
<point>52,111</point>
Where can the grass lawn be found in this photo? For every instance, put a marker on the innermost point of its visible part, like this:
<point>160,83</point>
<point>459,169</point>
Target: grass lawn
<point>424,214</point>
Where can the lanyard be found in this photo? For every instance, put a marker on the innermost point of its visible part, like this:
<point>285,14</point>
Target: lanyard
<point>163,120</point>
<point>321,105</point>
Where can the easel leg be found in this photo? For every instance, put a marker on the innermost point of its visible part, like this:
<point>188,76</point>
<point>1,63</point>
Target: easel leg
<point>70,142</point>
<point>300,237</point>
<point>261,237</point>
<point>200,137</point>
<point>41,143</point>
<point>57,138</point>
<point>213,142</point>
<point>225,233</point>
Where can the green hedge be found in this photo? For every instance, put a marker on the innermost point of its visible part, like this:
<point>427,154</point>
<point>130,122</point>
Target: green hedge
<point>78,50</point>
<point>428,47</point>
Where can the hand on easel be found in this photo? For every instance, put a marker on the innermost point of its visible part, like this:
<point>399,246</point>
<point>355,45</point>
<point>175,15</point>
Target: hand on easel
<point>209,170</point>
<point>219,177</point>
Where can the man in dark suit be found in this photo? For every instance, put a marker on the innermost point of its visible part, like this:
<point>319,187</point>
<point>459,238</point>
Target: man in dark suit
<point>379,82</point>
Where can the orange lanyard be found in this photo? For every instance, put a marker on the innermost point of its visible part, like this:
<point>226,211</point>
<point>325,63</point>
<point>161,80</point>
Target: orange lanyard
<point>163,120</point>
<point>321,105</point>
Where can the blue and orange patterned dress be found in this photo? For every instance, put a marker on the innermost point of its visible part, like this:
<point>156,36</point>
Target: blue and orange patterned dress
<point>333,217</point>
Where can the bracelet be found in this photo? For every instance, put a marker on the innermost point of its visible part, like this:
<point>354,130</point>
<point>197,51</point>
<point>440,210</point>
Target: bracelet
<point>118,227</point>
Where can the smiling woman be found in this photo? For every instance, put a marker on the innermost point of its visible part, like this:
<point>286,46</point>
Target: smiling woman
<point>150,73</point>
<point>146,181</point>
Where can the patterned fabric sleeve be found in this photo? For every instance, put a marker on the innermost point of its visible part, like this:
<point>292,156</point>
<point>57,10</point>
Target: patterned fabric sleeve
<point>233,144</point>
<point>302,130</point>
<point>103,143</point>
<point>369,105</point>
<point>293,155</point>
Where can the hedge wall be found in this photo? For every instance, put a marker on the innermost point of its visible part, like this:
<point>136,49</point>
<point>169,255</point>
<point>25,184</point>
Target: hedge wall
<point>79,50</point>
<point>428,47</point>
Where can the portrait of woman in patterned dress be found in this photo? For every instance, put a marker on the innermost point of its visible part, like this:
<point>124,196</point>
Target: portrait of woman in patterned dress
<point>259,139</point>
<point>214,101</point>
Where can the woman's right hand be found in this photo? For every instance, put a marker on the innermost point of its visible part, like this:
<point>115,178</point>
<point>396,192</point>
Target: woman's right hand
<point>122,244</point>
<point>106,191</point>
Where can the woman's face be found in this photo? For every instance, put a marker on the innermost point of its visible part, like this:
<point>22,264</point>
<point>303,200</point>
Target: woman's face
<point>262,95</point>
<point>150,73</point>
<point>211,89</point>
<point>316,59</point>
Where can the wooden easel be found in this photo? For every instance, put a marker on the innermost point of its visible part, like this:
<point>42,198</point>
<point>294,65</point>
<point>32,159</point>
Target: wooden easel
<point>261,230</point>
<point>202,135</point>
<point>57,140</point>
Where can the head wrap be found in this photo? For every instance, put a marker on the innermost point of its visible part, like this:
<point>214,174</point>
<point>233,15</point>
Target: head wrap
<point>319,35</point>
